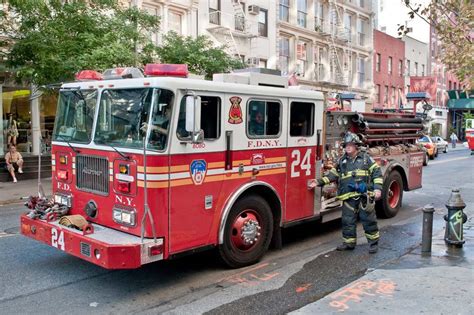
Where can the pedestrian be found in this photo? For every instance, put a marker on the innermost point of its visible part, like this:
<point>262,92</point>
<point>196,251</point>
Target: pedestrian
<point>12,130</point>
<point>359,185</point>
<point>14,162</point>
<point>453,138</point>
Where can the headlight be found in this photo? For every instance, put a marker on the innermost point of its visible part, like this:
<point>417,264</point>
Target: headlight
<point>63,200</point>
<point>124,216</point>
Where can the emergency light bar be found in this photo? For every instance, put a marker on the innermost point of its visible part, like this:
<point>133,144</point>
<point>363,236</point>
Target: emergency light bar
<point>170,70</point>
<point>122,73</point>
<point>88,75</point>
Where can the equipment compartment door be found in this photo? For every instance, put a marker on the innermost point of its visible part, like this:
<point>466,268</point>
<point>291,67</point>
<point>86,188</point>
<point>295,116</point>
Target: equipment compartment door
<point>416,169</point>
<point>301,157</point>
<point>196,175</point>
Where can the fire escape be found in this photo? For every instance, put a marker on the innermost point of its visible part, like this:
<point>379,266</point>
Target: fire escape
<point>234,31</point>
<point>337,58</point>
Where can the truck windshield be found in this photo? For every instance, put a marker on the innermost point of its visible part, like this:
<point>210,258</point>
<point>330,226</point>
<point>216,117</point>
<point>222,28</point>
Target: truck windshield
<point>124,114</point>
<point>75,115</point>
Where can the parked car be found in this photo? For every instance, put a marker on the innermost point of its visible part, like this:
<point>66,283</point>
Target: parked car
<point>441,144</point>
<point>429,145</point>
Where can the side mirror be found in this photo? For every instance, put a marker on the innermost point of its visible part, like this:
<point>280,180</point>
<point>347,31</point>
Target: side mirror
<point>193,118</point>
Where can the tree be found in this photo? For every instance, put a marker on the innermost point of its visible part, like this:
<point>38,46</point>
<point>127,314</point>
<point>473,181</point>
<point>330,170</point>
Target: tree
<point>453,21</point>
<point>48,41</point>
<point>198,53</point>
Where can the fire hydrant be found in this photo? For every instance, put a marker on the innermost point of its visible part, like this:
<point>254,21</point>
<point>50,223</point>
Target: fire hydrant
<point>455,219</point>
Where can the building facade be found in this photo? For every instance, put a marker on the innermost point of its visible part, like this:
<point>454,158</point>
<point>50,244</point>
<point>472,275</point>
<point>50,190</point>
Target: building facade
<point>416,60</point>
<point>389,71</point>
<point>327,44</point>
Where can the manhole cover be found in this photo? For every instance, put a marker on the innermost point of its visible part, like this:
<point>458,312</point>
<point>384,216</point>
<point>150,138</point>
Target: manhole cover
<point>13,230</point>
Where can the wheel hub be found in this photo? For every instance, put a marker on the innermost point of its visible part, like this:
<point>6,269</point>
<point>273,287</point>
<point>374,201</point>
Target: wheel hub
<point>250,232</point>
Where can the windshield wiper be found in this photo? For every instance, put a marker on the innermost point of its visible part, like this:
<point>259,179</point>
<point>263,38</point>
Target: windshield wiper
<point>75,151</point>
<point>116,150</point>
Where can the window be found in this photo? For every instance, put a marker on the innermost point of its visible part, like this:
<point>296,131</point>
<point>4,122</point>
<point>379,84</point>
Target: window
<point>389,65</point>
<point>416,68</point>
<point>263,118</point>
<point>422,70</point>
<point>348,26</point>
<point>393,96</point>
<point>319,66</point>
<point>318,16</point>
<point>361,72</point>
<point>210,118</point>
<point>174,22</point>
<point>361,32</point>
<point>377,93</point>
<point>263,23</point>
<point>438,113</point>
<point>449,85</point>
<point>455,86</point>
<point>239,19</point>
<point>301,55</point>
<point>154,36</point>
<point>302,7</point>
<point>284,10</point>
<point>284,51</point>
<point>399,97</point>
<point>301,119</point>
<point>400,68</point>
<point>262,63</point>
<point>377,62</point>
<point>76,110</point>
<point>408,67</point>
<point>385,95</point>
<point>215,12</point>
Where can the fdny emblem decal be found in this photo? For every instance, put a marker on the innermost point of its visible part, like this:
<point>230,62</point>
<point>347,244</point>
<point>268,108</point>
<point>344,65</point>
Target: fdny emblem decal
<point>198,170</point>
<point>257,158</point>
<point>235,111</point>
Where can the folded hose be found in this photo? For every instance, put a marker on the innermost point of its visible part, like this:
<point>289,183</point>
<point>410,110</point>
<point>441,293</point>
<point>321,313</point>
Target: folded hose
<point>75,221</point>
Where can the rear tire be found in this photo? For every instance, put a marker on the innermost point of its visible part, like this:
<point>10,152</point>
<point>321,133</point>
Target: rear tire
<point>426,159</point>
<point>247,232</point>
<point>392,195</point>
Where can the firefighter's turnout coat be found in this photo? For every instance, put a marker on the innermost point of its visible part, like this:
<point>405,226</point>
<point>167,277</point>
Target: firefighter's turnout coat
<point>351,173</point>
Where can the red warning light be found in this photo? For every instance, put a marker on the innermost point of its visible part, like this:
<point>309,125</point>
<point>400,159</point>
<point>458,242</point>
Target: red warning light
<point>169,70</point>
<point>88,75</point>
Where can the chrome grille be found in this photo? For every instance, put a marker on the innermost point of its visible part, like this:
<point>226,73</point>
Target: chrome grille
<point>92,174</point>
<point>85,249</point>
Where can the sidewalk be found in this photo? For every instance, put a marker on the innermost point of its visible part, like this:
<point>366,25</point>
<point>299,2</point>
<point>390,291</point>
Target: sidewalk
<point>440,283</point>
<point>14,192</point>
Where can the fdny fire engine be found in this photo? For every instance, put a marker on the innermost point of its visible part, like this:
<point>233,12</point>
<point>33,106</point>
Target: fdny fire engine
<point>147,168</point>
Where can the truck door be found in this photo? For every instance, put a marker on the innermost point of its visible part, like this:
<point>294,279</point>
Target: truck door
<point>196,172</point>
<point>301,157</point>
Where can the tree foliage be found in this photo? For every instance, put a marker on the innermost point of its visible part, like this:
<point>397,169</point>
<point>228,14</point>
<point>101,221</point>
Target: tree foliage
<point>453,21</point>
<point>48,41</point>
<point>198,53</point>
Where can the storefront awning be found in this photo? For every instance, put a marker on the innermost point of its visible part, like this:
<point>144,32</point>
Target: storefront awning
<point>459,99</point>
<point>462,103</point>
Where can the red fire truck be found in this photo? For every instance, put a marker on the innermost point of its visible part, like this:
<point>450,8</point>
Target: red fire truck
<point>164,165</point>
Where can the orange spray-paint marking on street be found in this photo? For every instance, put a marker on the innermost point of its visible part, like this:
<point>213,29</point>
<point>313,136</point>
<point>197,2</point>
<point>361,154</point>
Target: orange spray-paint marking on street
<point>303,288</point>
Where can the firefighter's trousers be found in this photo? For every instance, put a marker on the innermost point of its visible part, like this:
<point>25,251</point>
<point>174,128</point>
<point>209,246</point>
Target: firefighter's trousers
<point>350,211</point>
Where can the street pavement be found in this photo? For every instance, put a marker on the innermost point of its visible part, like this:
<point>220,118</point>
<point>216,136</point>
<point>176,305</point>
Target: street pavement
<point>307,276</point>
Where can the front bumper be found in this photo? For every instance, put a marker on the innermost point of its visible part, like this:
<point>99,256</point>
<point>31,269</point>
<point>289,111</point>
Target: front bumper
<point>105,247</point>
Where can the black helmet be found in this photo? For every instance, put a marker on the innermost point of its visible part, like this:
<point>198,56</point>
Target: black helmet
<point>351,137</point>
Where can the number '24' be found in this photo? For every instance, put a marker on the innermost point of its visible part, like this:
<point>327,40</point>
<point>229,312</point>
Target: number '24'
<point>304,163</point>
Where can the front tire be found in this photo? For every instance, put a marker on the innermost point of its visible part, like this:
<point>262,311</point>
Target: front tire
<point>392,194</point>
<point>445,149</point>
<point>248,232</point>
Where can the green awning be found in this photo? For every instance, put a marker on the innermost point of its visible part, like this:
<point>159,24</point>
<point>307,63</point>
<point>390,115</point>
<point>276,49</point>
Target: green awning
<point>462,103</point>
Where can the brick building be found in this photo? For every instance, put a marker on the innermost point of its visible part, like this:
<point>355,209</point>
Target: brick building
<point>389,56</point>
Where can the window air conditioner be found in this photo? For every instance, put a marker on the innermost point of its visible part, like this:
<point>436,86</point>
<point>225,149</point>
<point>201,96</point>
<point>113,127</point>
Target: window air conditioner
<point>254,9</point>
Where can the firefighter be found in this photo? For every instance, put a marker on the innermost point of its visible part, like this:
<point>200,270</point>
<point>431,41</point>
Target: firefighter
<point>360,184</point>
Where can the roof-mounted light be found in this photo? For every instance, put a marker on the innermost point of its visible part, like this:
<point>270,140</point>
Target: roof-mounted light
<point>169,70</point>
<point>88,75</point>
<point>122,73</point>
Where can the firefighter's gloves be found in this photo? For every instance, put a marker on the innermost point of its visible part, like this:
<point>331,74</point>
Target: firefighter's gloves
<point>321,183</point>
<point>360,187</point>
